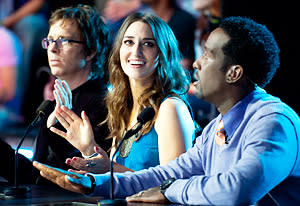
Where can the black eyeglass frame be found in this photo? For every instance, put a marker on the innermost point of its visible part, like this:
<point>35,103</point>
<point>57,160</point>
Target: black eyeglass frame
<point>48,41</point>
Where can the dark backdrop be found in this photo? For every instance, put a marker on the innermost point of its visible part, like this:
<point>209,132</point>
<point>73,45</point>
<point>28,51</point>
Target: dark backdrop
<point>282,18</point>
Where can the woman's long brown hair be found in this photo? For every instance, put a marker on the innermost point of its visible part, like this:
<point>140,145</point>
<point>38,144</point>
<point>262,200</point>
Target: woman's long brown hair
<point>170,78</point>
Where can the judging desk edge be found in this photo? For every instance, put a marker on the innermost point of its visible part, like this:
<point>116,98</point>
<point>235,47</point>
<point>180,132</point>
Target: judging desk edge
<point>53,195</point>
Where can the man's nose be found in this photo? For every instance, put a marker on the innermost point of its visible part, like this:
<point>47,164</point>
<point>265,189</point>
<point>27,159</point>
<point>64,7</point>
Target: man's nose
<point>53,46</point>
<point>197,68</point>
<point>196,64</point>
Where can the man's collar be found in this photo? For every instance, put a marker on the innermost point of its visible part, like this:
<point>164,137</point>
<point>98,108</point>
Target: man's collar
<point>233,118</point>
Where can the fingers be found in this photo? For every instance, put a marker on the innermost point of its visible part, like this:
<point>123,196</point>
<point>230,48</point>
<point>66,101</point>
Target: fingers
<point>64,119</point>
<point>87,165</point>
<point>83,181</point>
<point>85,118</point>
<point>58,92</point>
<point>69,93</point>
<point>152,195</point>
<point>98,164</point>
<point>61,90</point>
<point>58,132</point>
<point>64,93</point>
<point>67,113</point>
<point>49,169</point>
<point>79,172</point>
<point>63,178</point>
<point>136,197</point>
<point>100,151</point>
<point>77,163</point>
<point>66,116</point>
<point>57,99</point>
<point>40,166</point>
<point>49,172</point>
<point>52,173</point>
<point>73,180</point>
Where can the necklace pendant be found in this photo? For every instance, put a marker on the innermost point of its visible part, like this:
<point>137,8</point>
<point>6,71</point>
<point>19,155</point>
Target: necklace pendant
<point>126,146</point>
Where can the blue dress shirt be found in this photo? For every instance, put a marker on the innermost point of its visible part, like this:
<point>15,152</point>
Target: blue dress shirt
<point>260,162</point>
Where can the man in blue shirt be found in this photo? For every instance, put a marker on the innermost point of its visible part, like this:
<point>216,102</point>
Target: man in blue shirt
<point>249,154</point>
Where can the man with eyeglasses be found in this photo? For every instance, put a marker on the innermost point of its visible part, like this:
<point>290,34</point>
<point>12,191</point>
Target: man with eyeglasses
<point>77,46</point>
<point>60,43</point>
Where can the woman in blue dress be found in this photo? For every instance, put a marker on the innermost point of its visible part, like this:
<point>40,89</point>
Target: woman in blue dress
<point>145,71</point>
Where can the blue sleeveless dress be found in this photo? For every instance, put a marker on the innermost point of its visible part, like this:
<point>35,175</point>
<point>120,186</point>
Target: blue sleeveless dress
<point>143,153</point>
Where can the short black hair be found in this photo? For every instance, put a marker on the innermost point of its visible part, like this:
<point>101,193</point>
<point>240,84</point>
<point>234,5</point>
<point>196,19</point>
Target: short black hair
<point>252,46</point>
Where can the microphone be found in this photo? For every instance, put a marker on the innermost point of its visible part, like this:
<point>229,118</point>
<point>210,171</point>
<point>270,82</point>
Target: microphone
<point>146,115</point>
<point>42,111</point>
<point>45,108</point>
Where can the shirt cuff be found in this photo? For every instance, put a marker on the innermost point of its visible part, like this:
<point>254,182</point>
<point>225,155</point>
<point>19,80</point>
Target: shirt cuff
<point>102,184</point>
<point>174,193</point>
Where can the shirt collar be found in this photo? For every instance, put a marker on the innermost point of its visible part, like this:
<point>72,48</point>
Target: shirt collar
<point>235,115</point>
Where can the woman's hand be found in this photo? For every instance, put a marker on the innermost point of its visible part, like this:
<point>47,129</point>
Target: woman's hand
<point>98,164</point>
<point>79,130</point>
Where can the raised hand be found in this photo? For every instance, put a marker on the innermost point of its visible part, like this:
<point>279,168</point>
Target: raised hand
<point>98,164</point>
<point>63,93</point>
<point>69,180</point>
<point>63,96</point>
<point>79,130</point>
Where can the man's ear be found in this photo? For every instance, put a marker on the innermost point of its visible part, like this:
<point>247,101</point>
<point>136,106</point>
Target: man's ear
<point>234,73</point>
<point>91,55</point>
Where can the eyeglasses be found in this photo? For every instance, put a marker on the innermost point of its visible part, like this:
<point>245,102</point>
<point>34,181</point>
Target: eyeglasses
<point>60,43</point>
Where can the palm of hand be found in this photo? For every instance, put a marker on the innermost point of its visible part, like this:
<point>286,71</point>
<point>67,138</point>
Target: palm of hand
<point>79,130</point>
<point>80,134</point>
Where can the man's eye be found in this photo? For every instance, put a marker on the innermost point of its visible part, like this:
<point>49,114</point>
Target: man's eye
<point>63,40</point>
<point>205,55</point>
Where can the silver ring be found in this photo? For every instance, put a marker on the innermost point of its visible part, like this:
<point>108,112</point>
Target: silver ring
<point>91,164</point>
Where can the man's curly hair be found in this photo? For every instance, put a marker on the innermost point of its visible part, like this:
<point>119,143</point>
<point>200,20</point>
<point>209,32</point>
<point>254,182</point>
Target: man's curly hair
<point>252,46</point>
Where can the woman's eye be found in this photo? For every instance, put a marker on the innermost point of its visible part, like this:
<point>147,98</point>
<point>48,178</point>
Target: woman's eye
<point>149,44</point>
<point>127,42</point>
